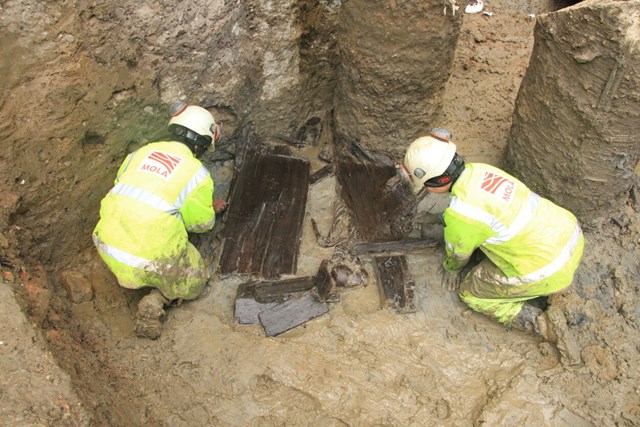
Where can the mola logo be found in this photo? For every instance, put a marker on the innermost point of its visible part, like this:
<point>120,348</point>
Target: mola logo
<point>161,164</point>
<point>498,185</point>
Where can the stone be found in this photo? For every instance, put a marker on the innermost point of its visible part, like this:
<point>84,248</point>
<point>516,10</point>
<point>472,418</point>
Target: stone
<point>77,286</point>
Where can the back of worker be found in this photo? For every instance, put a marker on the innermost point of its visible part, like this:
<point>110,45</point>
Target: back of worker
<point>519,231</point>
<point>533,246</point>
<point>160,192</point>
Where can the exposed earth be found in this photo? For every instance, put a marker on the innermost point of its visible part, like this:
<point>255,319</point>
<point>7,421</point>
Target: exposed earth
<point>68,352</point>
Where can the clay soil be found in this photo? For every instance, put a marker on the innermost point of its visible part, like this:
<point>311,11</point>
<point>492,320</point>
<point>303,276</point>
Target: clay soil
<point>80,363</point>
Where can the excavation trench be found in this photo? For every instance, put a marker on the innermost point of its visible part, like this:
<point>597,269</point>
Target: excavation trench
<point>340,87</point>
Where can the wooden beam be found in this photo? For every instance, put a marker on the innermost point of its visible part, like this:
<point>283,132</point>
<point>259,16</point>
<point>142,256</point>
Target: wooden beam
<point>264,219</point>
<point>397,285</point>
<point>291,313</point>
<point>394,246</point>
<point>323,284</point>
<point>278,291</point>
<point>246,308</point>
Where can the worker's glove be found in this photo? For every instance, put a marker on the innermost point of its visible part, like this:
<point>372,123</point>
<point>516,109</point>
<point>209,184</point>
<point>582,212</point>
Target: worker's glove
<point>219,206</point>
<point>450,280</point>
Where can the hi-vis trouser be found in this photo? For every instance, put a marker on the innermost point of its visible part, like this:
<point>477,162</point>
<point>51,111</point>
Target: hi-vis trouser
<point>161,193</point>
<point>182,276</point>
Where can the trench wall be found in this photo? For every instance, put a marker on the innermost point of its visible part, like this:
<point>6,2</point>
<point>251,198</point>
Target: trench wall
<point>86,82</point>
<point>574,136</point>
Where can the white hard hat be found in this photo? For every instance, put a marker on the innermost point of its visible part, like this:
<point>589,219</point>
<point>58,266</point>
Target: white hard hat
<point>428,157</point>
<point>198,120</point>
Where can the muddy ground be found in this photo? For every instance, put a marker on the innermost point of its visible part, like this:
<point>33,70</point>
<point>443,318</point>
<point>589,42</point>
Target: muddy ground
<point>66,363</point>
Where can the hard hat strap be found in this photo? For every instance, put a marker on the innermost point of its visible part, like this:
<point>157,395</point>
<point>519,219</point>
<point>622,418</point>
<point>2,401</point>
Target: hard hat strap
<point>402,172</point>
<point>450,175</point>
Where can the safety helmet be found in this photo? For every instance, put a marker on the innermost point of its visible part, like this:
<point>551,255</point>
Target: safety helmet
<point>428,157</point>
<point>195,124</point>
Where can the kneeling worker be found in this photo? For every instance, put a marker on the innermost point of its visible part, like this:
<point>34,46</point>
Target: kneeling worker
<point>162,192</point>
<point>532,246</point>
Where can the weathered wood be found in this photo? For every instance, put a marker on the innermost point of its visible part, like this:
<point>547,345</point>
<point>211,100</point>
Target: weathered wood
<point>378,213</point>
<point>397,285</point>
<point>321,173</point>
<point>310,131</point>
<point>394,246</point>
<point>246,308</point>
<point>323,284</point>
<point>264,219</point>
<point>291,313</point>
<point>278,291</point>
<point>289,140</point>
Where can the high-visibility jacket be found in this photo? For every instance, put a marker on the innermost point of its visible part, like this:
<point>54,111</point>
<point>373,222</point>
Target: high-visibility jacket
<point>161,191</point>
<point>529,238</point>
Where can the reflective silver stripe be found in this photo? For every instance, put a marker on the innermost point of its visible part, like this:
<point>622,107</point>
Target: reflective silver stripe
<point>202,227</point>
<point>503,233</point>
<point>145,197</point>
<point>124,169</point>
<point>523,218</point>
<point>478,214</point>
<point>200,175</point>
<point>140,263</point>
<point>549,269</point>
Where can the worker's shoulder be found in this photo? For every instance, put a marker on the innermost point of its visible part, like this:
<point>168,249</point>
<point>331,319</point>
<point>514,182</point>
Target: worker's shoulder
<point>482,167</point>
<point>173,148</point>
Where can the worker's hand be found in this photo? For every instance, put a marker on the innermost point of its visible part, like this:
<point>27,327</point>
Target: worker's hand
<point>450,281</point>
<point>219,206</point>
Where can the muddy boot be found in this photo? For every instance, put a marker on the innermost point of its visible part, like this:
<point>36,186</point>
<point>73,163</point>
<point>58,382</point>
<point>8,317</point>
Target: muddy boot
<point>150,314</point>
<point>552,325</point>
<point>526,320</point>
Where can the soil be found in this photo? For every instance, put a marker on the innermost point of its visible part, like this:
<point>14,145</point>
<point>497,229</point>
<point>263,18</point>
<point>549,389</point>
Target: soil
<point>72,358</point>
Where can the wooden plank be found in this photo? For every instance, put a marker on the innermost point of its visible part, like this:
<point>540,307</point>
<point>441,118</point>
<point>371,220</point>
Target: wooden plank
<point>323,284</point>
<point>382,207</point>
<point>264,219</point>
<point>246,308</point>
<point>397,285</point>
<point>394,246</point>
<point>291,313</point>
<point>321,173</point>
<point>279,291</point>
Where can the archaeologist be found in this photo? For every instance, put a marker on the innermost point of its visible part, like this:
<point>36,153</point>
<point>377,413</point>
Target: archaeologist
<point>532,246</point>
<point>162,192</point>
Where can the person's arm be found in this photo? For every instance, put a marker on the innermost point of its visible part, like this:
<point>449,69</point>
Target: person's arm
<point>462,236</point>
<point>197,209</point>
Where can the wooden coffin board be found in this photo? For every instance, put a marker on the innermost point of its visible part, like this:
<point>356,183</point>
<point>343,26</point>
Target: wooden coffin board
<point>246,308</point>
<point>264,220</point>
<point>292,313</point>
<point>396,282</point>
<point>379,213</point>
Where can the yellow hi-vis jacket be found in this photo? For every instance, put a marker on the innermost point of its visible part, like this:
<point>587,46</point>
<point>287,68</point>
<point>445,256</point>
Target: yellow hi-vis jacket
<point>161,192</point>
<point>527,237</point>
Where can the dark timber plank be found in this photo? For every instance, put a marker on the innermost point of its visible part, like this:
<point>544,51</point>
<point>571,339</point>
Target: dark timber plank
<point>396,283</point>
<point>264,219</point>
<point>381,211</point>
<point>394,246</point>
<point>246,308</point>
<point>323,283</point>
<point>278,291</point>
<point>290,314</point>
